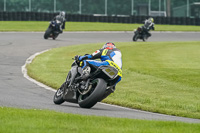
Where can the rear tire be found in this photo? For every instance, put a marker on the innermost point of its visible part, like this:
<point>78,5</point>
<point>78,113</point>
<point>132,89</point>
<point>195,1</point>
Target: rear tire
<point>144,38</point>
<point>55,36</point>
<point>96,93</point>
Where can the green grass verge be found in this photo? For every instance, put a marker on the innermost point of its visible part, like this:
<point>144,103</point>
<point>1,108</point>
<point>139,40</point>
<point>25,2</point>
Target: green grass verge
<point>157,76</point>
<point>43,121</point>
<point>87,26</point>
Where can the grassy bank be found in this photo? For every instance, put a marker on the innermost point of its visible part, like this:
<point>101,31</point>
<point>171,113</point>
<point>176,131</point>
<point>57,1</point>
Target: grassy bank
<point>87,26</point>
<point>157,76</point>
<point>42,121</point>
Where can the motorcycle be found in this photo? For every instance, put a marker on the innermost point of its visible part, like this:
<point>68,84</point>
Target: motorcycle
<point>143,31</point>
<point>140,34</point>
<point>99,84</point>
<point>53,30</point>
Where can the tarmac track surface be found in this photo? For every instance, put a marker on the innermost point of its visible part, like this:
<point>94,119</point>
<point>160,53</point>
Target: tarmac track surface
<point>16,91</point>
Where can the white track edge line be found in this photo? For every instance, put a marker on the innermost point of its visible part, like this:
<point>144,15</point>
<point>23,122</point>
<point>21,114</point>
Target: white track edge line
<point>24,71</point>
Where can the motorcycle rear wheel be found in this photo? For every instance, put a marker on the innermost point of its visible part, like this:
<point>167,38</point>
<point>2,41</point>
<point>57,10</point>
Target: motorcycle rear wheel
<point>55,36</point>
<point>94,95</point>
<point>144,38</point>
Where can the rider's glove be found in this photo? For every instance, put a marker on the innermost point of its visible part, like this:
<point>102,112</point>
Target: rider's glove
<point>80,58</point>
<point>77,58</point>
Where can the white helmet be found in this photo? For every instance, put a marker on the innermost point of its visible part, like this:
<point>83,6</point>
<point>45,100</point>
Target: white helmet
<point>62,14</point>
<point>151,19</point>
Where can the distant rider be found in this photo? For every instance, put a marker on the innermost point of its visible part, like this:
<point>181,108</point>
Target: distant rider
<point>148,25</point>
<point>61,18</point>
<point>108,54</point>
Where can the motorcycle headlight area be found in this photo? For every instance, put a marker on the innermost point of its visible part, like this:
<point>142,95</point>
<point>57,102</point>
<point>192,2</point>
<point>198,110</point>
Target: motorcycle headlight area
<point>57,21</point>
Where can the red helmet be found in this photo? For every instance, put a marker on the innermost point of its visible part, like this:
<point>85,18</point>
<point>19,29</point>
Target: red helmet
<point>109,45</point>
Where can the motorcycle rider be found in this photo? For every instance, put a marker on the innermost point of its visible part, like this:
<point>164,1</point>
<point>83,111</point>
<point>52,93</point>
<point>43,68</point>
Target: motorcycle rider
<point>148,25</point>
<point>61,18</point>
<point>108,54</point>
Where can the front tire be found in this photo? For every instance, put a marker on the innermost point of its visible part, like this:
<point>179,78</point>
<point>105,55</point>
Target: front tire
<point>58,97</point>
<point>47,33</point>
<point>94,95</point>
<point>135,37</point>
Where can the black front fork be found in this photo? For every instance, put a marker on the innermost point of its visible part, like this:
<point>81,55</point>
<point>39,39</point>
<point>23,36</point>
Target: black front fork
<point>74,71</point>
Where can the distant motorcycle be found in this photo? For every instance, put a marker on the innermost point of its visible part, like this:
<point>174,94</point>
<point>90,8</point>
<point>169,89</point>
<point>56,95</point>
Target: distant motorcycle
<point>53,30</point>
<point>87,92</point>
<point>143,31</point>
<point>140,33</point>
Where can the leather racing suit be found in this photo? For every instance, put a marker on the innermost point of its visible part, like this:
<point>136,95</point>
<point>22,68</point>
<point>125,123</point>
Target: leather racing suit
<point>112,57</point>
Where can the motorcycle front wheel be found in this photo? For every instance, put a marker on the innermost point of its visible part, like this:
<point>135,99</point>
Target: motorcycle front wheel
<point>97,90</point>
<point>135,37</point>
<point>47,33</point>
<point>58,97</point>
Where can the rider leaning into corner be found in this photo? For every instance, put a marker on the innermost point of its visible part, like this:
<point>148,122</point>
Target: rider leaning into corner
<point>148,25</point>
<point>61,18</point>
<point>108,54</point>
